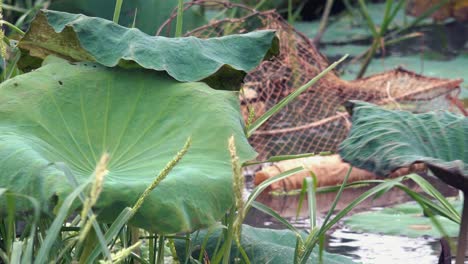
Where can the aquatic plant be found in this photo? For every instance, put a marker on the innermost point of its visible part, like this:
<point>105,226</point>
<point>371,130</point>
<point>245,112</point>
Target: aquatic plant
<point>383,140</point>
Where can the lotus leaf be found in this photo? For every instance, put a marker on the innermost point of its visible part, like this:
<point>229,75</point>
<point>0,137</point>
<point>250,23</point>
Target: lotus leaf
<point>383,140</point>
<point>221,62</point>
<point>406,219</point>
<point>74,112</point>
<point>262,245</point>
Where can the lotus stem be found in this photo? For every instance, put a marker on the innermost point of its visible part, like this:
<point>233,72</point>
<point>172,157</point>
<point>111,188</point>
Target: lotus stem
<point>463,235</point>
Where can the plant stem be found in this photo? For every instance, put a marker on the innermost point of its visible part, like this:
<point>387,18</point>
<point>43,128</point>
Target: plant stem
<point>323,21</point>
<point>463,235</point>
<point>118,7</point>
<point>13,27</point>
<point>152,249</point>
<point>260,4</point>
<point>180,18</point>
<point>367,60</point>
<point>290,13</point>
<point>160,259</point>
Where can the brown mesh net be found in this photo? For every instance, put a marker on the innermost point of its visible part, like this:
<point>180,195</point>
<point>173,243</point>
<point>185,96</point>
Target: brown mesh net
<point>317,120</point>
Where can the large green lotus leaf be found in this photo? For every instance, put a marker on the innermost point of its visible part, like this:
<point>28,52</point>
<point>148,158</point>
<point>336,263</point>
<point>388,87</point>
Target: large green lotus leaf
<point>221,62</point>
<point>383,140</point>
<point>148,15</point>
<point>72,113</point>
<point>406,220</point>
<point>262,245</point>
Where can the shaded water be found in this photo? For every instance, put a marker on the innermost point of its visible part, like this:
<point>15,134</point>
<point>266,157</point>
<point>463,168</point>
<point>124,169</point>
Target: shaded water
<point>363,247</point>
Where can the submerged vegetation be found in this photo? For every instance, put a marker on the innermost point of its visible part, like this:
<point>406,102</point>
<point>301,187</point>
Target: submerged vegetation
<point>121,147</point>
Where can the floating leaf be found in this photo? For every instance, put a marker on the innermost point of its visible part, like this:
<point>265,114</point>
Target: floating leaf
<point>72,113</point>
<point>382,141</point>
<point>406,219</point>
<point>221,62</point>
<point>262,245</point>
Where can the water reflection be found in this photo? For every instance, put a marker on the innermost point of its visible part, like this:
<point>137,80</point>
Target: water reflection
<point>374,248</point>
<point>368,248</point>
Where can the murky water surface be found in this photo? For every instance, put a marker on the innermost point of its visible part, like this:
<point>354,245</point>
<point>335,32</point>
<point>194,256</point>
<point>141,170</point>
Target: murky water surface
<point>362,247</point>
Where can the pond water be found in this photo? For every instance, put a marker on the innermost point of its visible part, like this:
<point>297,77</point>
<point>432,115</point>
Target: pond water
<point>361,247</point>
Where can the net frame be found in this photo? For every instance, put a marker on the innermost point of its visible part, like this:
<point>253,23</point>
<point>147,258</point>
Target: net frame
<point>317,120</point>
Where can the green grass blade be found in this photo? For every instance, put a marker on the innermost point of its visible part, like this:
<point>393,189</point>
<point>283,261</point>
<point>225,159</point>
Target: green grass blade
<point>180,18</point>
<point>210,231</point>
<point>361,198</point>
<point>267,210</point>
<point>337,197</point>
<point>245,258</point>
<point>29,251</point>
<point>370,22</point>
<point>386,19</point>
<point>403,38</point>
<point>262,186</point>
<point>10,223</point>
<point>326,226</point>
<point>395,11</point>
<point>118,7</point>
<point>99,234</point>
<point>138,259</point>
<point>54,230</point>
<point>13,27</point>
<point>283,157</point>
<point>433,219</point>
<point>3,256</point>
<point>160,255</point>
<point>312,201</point>
<point>429,189</point>
<point>135,18</point>
<point>113,231</point>
<point>327,189</point>
<point>275,109</point>
<point>14,8</point>
<point>431,204</point>
<point>16,252</point>
<point>301,198</point>
<point>423,16</point>
<point>12,65</point>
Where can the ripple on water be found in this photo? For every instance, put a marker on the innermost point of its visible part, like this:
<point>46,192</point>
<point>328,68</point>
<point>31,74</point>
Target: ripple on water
<point>375,248</point>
